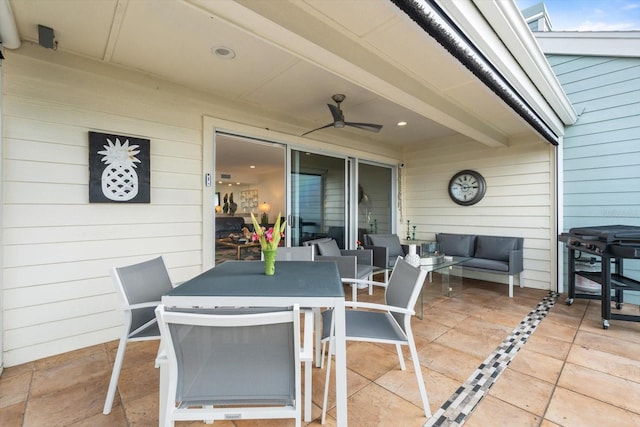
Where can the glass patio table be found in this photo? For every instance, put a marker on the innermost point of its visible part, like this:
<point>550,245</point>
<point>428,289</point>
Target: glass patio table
<point>243,283</point>
<point>443,268</point>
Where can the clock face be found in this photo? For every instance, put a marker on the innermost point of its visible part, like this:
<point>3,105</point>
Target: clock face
<point>467,187</point>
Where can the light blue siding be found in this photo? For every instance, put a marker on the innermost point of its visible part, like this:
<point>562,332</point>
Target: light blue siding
<point>602,150</point>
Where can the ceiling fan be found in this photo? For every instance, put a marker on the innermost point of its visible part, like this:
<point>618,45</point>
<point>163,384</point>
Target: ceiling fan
<point>338,118</point>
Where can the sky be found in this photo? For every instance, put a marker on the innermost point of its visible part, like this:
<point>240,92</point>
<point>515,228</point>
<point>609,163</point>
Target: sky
<point>590,15</point>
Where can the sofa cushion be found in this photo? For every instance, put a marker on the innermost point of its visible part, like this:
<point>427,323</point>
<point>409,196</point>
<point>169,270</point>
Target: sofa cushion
<point>495,247</point>
<point>390,241</point>
<point>328,247</point>
<point>226,225</point>
<point>487,264</point>
<point>456,244</point>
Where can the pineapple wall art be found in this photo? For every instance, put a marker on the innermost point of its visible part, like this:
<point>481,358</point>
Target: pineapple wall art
<point>119,169</point>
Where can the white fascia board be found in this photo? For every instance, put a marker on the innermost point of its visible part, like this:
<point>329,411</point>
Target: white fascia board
<point>625,44</point>
<point>500,32</point>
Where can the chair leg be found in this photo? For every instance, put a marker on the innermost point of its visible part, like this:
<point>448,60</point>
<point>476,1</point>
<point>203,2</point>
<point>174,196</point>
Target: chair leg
<point>317,318</point>
<point>115,374</point>
<point>322,355</point>
<point>327,381</point>
<point>421,387</point>
<point>307,358</point>
<point>401,357</point>
<point>511,286</point>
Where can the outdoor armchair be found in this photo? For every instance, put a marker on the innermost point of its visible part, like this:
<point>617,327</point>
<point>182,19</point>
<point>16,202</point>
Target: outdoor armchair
<point>230,364</point>
<point>386,249</point>
<point>352,264</point>
<point>140,287</point>
<point>388,323</point>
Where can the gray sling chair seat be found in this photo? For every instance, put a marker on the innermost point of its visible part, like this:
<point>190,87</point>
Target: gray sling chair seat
<point>388,323</point>
<point>230,363</point>
<point>140,287</point>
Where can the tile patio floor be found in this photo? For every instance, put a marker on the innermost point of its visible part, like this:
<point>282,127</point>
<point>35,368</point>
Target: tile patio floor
<point>571,372</point>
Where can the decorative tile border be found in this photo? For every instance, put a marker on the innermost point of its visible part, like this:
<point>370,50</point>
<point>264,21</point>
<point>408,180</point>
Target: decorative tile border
<point>454,412</point>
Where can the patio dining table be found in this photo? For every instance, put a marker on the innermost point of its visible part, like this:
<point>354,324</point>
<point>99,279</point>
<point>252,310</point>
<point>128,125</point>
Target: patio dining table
<point>243,283</point>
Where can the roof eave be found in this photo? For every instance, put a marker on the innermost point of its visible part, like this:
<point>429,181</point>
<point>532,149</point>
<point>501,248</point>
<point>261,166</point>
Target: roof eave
<point>510,26</point>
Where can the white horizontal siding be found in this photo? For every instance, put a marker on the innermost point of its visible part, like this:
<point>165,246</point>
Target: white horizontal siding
<point>519,200</point>
<point>58,248</point>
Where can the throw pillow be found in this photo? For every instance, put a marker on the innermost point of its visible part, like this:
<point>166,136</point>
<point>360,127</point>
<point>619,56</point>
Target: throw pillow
<point>494,247</point>
<point>456,244</point>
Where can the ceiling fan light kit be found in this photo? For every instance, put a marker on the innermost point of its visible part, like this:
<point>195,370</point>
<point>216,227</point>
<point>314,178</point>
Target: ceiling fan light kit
<point>338,118</point>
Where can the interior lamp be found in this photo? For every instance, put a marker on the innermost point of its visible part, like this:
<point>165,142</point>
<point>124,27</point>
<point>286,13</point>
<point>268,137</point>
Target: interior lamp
<point>264,208</point>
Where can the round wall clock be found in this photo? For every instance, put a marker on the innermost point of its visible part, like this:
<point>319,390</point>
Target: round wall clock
<point>467,187</point>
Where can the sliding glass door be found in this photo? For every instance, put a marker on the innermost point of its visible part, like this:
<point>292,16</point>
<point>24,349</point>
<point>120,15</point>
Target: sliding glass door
<point>319,197</point>
<point>375,204</point>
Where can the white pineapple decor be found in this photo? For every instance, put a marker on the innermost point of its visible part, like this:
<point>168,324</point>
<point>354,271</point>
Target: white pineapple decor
<point>119,178</point>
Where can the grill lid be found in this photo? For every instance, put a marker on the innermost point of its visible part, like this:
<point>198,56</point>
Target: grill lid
<point>607,233</point>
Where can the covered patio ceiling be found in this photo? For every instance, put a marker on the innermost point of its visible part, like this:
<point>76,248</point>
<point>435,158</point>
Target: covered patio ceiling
<point>291,56</point>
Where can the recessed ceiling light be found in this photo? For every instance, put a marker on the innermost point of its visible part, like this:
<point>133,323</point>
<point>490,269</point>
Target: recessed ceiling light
<point>401,123</point>
<point>223,52</point>
<point>252,166</point>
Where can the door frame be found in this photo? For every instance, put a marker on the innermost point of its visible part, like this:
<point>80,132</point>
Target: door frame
<point>212,125</point>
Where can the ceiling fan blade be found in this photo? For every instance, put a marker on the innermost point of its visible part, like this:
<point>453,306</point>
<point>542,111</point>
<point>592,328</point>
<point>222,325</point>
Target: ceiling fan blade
<point>321,127</point>
<point>365,126</point>
<point>336,113</point>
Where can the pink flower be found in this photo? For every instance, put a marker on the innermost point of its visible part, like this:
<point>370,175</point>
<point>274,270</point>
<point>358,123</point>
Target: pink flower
<point>269,239</point>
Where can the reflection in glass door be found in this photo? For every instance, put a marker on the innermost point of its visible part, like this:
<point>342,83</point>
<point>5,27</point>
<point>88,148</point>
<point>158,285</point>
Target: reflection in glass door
<point>318,198</point>
<point>375,207</point>
<point>249,179</point>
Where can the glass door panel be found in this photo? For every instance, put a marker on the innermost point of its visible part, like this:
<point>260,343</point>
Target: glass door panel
<point>250,178</point>
<point>318,197</point>
<point>375,207</point>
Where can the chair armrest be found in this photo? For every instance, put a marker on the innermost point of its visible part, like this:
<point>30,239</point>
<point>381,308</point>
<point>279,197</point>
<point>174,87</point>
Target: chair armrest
<point>140,305</point>
<point>346,264</point>
<point>380,255</point>
<point>515,262</point>
<point>381,307</point>
<point>364,256</point>
<point>348,281</point>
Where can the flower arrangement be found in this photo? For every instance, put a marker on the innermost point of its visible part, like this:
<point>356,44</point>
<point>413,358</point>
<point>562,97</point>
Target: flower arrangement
<point>269,239</point>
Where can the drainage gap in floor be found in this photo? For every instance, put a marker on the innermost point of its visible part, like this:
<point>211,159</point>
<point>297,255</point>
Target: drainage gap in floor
<point>454,412</point>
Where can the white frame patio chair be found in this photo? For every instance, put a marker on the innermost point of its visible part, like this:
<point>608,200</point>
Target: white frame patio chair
<point>353,265</point>
<point>140,287</point>
<point>304,253</point>
<point>231,363</point>
<point>388,323</point>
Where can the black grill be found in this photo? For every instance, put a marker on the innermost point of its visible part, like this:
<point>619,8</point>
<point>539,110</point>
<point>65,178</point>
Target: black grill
<point>612,243</point>
<point>621,241</point>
